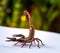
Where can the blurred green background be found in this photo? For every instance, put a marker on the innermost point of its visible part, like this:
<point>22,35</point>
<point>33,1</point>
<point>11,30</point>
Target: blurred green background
<point>45,14</point>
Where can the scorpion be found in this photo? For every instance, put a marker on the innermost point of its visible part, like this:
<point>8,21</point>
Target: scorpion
<point>28,39</point>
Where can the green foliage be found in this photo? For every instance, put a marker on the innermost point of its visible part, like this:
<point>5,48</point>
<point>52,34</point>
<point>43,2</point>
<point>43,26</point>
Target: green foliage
<point>36,19</point>
<point>55,2</point>
<point>43,13</point>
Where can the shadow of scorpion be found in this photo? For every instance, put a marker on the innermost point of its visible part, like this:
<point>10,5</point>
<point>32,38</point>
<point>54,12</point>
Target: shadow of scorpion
<point>24,39</point>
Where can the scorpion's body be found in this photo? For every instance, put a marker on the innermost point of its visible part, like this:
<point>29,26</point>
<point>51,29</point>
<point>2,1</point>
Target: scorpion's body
<point>32,31</point>
<point>28,39</point>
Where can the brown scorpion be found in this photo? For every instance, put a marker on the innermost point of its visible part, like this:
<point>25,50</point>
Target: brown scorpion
<point>28,39</point>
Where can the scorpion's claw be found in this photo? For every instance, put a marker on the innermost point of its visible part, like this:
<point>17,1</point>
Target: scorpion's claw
<point>8,40</point>
<point>18,35</point>
<point>11,39</point>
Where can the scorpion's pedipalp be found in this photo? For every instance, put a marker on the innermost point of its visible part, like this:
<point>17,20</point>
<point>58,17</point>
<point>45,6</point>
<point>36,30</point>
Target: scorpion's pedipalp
<point>11,39</point>
<point>19,35</point>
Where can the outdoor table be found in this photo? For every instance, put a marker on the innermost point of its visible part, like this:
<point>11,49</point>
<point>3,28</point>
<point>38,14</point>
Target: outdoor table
<point>50,39</point>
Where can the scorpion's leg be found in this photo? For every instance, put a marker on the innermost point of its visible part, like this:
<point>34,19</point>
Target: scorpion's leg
<point>16,43</point>
<point>20,40</point>
<point>37,41</point>
<point>40,41</point>
<point>30,45</point>
<point>23,44</point>
<point>34,41</point>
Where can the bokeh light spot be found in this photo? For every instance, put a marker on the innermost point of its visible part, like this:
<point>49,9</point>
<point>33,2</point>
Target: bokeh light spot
<point>23,18</point>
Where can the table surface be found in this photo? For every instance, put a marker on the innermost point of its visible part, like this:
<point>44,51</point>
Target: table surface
<point>50,39</point>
